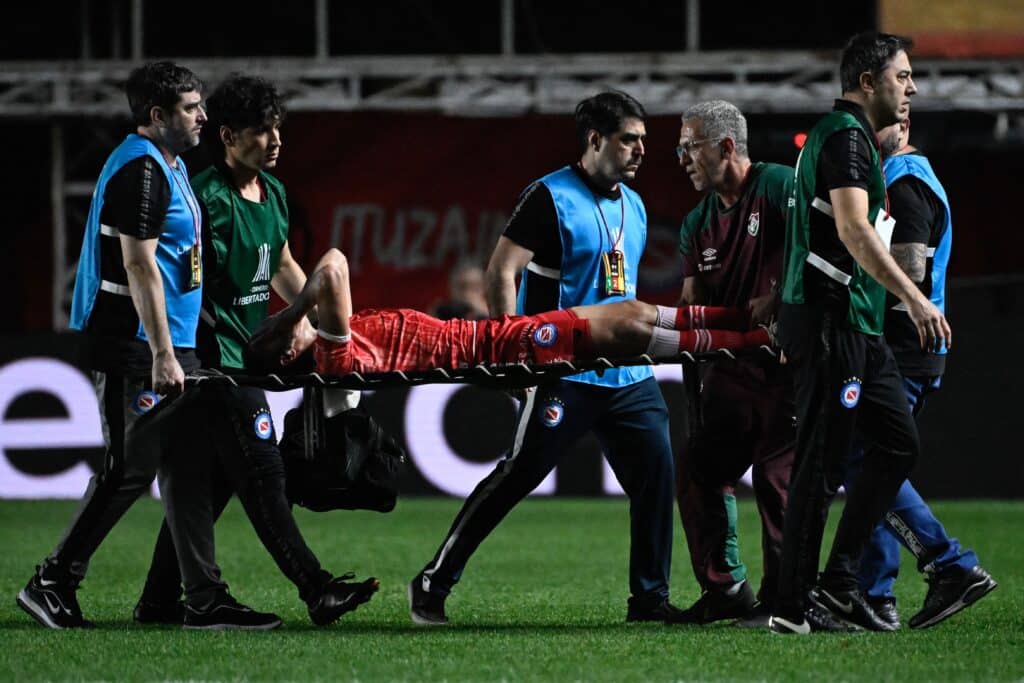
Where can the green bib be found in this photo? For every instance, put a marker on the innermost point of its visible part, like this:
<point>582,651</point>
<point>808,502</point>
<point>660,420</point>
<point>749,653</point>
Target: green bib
<point>247,239</point>
<point>822,249</point>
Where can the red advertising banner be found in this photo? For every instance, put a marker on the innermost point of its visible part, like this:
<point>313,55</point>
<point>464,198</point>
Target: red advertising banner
<point>407,197</point>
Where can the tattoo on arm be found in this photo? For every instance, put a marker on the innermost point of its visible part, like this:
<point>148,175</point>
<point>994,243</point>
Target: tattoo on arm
<point>911,258</point>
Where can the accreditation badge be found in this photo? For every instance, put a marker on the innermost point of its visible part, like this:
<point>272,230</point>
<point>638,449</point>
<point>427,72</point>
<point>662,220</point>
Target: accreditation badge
<point>884,226</point>
<point>614,263</point>
<point>196,261</point>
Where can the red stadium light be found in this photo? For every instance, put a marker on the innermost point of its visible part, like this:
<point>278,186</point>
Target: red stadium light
<point>799,139</point>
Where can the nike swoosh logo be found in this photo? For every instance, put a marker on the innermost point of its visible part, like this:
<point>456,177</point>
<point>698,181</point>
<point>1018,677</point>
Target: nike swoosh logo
<point>802,628</point>
<point>45,582</point>
<point>846,607</point>
<point>54,608</point>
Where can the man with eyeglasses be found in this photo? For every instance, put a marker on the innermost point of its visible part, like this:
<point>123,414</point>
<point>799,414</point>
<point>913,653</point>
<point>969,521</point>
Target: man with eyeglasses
<point>732,256</point>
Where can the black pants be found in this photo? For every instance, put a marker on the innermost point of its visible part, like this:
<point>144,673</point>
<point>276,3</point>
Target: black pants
<point>846,381</point>
<point>220,440</point>
<point>631,423</point>
<point>127,474</point>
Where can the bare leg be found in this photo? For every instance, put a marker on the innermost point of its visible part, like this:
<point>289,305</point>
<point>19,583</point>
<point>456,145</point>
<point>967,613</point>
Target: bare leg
<point>619,337</point>
<point>622,310</point>
<point>673,318</point>
<point>329,291</point>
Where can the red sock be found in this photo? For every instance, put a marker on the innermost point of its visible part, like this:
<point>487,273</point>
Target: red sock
<point>700,341</point>
<point>712,318</point>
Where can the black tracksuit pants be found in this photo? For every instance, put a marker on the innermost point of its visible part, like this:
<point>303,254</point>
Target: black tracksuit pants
<point>127,474</point>
<point>846,382</point>
<point>219,440</point>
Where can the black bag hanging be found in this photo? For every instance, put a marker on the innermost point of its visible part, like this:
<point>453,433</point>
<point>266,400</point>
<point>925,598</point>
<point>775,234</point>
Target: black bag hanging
<point>343,462</point>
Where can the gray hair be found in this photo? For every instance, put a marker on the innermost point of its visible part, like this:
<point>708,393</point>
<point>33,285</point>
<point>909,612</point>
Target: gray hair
<point>721,120</point>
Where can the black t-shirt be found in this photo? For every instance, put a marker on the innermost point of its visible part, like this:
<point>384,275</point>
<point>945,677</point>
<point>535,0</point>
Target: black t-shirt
<point>922,215</point>
<point>136,199</point>
<point>135,203</point>
<point>920,219</point>
<point>845,161</point>
<point>534,226</point>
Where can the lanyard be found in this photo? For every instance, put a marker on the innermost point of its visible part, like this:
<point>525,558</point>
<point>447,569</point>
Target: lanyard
<point>881,169</point>
<point>190,201</point>
<point>622,220</point>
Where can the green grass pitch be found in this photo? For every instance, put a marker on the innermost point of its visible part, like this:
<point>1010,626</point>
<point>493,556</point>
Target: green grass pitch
<point>544,599</point>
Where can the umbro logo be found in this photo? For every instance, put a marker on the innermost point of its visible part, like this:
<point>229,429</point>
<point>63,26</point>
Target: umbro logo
<point>710,254</point>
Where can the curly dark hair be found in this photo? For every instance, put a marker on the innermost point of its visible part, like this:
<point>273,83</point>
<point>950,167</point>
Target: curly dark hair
<point>158,84</point>
<point>605,113</point>
<point>240,102</point>
<point>869,51</point>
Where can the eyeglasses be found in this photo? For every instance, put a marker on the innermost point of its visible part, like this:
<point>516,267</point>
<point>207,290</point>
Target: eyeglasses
<point>690,146</point>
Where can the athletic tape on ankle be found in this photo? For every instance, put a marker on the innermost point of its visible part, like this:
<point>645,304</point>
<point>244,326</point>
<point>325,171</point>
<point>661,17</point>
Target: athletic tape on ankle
<point>338,338</point>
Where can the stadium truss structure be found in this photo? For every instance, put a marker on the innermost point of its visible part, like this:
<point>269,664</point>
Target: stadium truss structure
<point>503,85</point>
<point>498,85</point>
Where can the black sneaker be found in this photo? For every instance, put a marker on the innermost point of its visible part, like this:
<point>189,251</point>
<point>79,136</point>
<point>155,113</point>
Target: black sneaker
<point>664,612</point>
<point>885,608</point>
<point>816,620</point>
<point>715,605</point>
<point>165,613</point>
<point>425,608</point>
<point>759,617</point>
<point>54,604</point>
<point>227,614</point>
<point>849,606</point>
<point>950,591</point>
<point>340,597</point>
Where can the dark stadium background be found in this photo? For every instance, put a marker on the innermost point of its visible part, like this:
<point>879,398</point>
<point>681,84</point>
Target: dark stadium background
<point>969,430</point>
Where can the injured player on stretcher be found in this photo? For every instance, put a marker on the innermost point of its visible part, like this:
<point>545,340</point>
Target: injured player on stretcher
<point>384,340</point>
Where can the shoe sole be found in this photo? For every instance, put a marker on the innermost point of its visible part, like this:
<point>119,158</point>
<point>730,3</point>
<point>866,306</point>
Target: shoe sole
<point>157,622</point>
<point>36,612</point>
<point>421,620</point>
<point>233,627</point>
<point>971,595</point>
<point>360,597</point>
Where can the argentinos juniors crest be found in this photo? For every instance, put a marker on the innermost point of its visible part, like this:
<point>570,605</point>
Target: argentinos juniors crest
<point>551,412</point>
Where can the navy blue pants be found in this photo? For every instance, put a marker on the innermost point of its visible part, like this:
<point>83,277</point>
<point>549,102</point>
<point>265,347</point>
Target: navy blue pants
<point>909,521</point>
<point>631,424</point>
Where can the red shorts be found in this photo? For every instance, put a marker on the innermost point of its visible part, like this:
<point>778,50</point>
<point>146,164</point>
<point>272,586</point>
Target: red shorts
<point>402,339</point>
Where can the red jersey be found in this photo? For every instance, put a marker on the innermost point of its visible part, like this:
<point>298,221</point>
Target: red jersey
<point>403,339</point>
